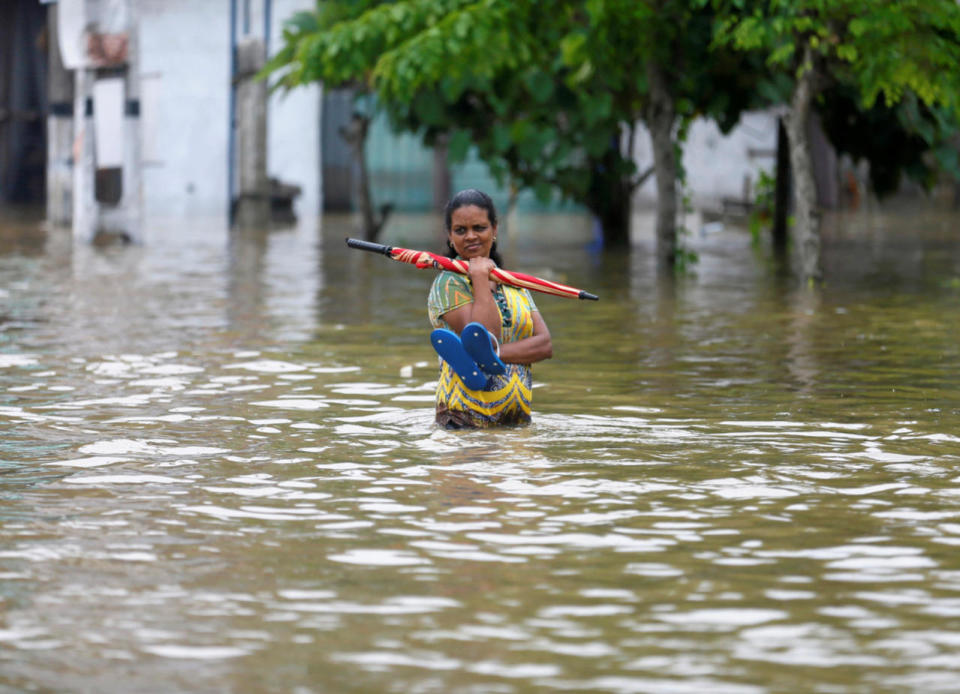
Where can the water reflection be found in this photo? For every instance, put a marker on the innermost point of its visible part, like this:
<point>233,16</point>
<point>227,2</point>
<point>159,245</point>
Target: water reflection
<point>220,472</point>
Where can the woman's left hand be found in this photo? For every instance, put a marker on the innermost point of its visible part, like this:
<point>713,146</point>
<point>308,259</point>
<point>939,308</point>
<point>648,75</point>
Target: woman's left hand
<point>531,349</point>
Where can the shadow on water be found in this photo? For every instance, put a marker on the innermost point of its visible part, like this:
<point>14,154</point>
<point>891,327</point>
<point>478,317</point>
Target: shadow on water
<point>220,470</point>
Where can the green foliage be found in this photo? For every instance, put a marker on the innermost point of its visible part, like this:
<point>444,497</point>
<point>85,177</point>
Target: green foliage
<point>685,258</point>
<point>548,91</point>
<point>889,71</point>
<point>883,48</point>
<point>763,205</point>
<point>915,139</point>
<point>951,283</point>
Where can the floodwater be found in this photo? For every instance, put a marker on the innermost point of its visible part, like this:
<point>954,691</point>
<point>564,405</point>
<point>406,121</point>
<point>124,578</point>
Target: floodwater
<point>221,474</point>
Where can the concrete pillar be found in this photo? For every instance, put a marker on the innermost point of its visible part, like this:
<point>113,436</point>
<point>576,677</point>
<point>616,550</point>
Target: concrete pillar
<point>85,207</point>
<point>253,200</point>
<point>132,200</point>
<point>59,129</point>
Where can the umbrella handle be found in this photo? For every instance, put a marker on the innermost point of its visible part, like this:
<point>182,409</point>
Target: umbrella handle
<point>370,246</point>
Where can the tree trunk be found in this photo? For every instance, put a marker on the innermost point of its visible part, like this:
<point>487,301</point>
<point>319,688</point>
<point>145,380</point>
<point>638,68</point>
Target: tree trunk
<point>661,117</point>
<point>442,180</point>
<point>609,197</point>
<point>781,197</point>
<point>807,228</point>
<point>59,128</point>
<point>356,135</point>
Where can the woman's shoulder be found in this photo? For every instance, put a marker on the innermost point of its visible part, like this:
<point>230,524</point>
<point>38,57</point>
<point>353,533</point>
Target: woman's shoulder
<point>450,289</point>
<point>449,279</point>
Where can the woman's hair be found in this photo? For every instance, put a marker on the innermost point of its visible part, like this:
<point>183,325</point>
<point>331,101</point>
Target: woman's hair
<point>471,196</point>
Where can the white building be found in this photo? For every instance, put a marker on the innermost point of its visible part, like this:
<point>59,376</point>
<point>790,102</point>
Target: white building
<point>186,106</point>
<point>154,105</point>
<point>188,143</point>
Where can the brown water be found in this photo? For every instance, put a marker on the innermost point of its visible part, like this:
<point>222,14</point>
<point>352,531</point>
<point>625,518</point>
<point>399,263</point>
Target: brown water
<point>220,472</point>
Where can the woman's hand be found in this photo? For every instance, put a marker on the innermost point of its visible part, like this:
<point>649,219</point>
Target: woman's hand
<point>479,271</point>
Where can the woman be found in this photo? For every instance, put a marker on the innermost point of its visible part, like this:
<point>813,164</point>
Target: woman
<point>509,319</point>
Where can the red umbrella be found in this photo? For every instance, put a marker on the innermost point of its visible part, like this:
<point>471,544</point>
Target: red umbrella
<point>425,259</point>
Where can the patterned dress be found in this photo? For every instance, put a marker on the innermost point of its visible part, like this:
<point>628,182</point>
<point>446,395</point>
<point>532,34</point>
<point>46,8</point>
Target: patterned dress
<point>506,398</point>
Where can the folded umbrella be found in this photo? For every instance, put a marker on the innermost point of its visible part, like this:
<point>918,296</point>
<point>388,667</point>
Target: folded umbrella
<point>425,259</point>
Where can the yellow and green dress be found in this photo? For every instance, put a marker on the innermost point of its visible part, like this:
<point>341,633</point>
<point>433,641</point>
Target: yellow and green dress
<point>506,398</point>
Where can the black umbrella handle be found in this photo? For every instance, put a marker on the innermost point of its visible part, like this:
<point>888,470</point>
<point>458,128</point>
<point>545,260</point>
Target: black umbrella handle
<point>370,246</point>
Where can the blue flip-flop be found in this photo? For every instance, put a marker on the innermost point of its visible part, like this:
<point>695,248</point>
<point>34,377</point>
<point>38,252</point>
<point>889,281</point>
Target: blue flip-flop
<point>451,350</point>
<point>476,341</point>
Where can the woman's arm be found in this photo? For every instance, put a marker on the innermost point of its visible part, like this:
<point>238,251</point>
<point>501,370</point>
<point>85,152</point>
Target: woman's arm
<point>529,350</point>
<point>483,308</point>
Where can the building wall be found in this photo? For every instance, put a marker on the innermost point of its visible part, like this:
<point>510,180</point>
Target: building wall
<point>718,166</point>
<point>185,107</point>
<point>186,68</point>
<point>402,168</point>
<point>185,71</point>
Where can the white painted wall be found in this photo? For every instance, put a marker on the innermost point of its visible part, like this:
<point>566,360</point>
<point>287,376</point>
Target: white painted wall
<point>293,126</point>
<point>185,59</point>
<point>185,102</point>
<point>716,164</point>
<point>185,69</point>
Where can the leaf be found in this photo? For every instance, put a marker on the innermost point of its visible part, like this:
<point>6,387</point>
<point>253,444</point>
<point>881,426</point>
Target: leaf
<point>303,22</point>
<point>848,53</point>
<point>782,54</point>
<point>520,131</point>
<point>572,48</point>
<point>857,27</point>
<point>597,108</point>
<point>429,108</point>
<point>543,191</point>
<point>459,146</point>
<point>500,138</point>
<point>949,160</point>
<point>540,85</point>
<point>597,141</point>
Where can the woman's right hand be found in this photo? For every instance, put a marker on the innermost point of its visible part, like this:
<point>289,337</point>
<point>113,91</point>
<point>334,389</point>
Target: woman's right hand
<point>480,269</point>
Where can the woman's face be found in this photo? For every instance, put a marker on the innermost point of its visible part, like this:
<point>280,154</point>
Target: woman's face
<point>471,233</point>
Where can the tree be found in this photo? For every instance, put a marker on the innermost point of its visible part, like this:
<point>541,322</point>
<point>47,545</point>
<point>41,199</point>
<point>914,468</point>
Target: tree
<point>880,48</point>
<point>550,92</point>
<point>918,140</point>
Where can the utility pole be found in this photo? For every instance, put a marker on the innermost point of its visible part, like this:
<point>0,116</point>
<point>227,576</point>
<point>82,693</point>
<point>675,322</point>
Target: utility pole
<point>85,209</point>
<point>59,129</point>
<point>253,201</point>
<point>131,202</point>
